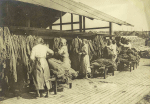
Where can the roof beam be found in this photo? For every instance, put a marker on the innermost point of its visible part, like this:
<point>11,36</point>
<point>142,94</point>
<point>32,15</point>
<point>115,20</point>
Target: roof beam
<point>66,23</point>
<point>92,28</point>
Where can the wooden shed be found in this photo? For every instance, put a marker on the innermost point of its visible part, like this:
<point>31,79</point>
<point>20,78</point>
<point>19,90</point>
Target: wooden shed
<point>32,17</point>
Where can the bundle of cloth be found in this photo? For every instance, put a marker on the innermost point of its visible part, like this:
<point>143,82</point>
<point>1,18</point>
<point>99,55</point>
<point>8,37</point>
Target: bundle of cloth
<point>104,62</point>
<point>129,55</point>
<point>60,70</point>
<point>145,53</point>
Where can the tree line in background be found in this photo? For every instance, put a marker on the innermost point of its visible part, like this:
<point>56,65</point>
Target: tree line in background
<point>142,34</point>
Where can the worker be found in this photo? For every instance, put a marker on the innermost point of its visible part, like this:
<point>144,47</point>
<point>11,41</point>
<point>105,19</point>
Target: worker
<point>114,49</point>
<point>85,70</point>
<point>41,72</point>
<point>127,45</point>
<point>108,50</point>
<point>63,52</point>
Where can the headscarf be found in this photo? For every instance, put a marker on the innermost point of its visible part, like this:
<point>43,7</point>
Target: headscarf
<point>84,41</point>
<point>39,41</point>
<point>63,41</point>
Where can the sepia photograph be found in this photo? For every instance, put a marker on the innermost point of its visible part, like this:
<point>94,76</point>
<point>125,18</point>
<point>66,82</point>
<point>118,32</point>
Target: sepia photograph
<point>74,51</point>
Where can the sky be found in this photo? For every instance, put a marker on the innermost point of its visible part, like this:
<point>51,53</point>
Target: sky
<point>135,12</point>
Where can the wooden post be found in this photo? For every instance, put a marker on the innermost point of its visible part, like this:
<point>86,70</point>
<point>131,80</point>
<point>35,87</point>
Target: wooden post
<point>133,65</point>
<point>83,23</point>
<point>110,28</point>
<point>50,27</point>
<point>28,22</point>
<point>70,85</point>
<point>7,14</point>
<point>3,34</point>
<point>55,86</point>
<point>130,66</point>
<point>80,23</point>
<point>60,20</point>
<point>105,72</point>
<point>71,22</point>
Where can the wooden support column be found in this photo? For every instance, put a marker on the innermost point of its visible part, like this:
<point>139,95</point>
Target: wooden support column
<point>7,14</point>
<point>110,28</point>
<point>50,27</point>
<point>27,25</point>
<point>83,23</point>
<point>71,22</point>
<point>60,20</point>
<point>80,23</point>
<point>28,22</point>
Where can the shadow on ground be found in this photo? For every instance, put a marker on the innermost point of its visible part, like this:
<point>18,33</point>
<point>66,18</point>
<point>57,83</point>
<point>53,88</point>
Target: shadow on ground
<point>145,99</point>
<point>28,94</point>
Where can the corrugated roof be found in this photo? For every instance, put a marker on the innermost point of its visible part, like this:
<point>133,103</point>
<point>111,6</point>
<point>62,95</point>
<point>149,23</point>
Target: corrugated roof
<point>71,6</point>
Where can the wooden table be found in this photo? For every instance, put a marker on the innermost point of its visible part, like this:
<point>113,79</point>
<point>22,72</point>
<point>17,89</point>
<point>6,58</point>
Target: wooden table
<point>103,68</point>
<point>55,80</point>
<point>130,63</point>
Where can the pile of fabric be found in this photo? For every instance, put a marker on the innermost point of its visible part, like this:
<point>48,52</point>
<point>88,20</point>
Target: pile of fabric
<point>145,54</point>
<point>104,62</point>
<point>129,55</point>
<point>57,66</point>
<point>60,70</point>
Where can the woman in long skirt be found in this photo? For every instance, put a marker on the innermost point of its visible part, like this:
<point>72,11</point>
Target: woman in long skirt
<point>41,72</point>
<point>85,61</point>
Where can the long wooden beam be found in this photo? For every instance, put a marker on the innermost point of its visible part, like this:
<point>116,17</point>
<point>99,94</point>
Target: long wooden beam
<point>41,31</point>
<point>91,28</point>
<point>66,23</point>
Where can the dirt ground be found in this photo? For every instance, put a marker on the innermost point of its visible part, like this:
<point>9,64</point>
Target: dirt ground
<point>124,87</point>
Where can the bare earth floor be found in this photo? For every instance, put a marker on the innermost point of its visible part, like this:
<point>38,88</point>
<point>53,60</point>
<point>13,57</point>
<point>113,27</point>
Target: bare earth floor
<point>124,88</point>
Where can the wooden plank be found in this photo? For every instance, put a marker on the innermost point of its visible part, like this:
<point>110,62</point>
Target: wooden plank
<point>134,95</point>
<point>106,96</point>
<point>81,100</point>
<point>123,95</point>
<point>99,95</point>
<point>140,96</point>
